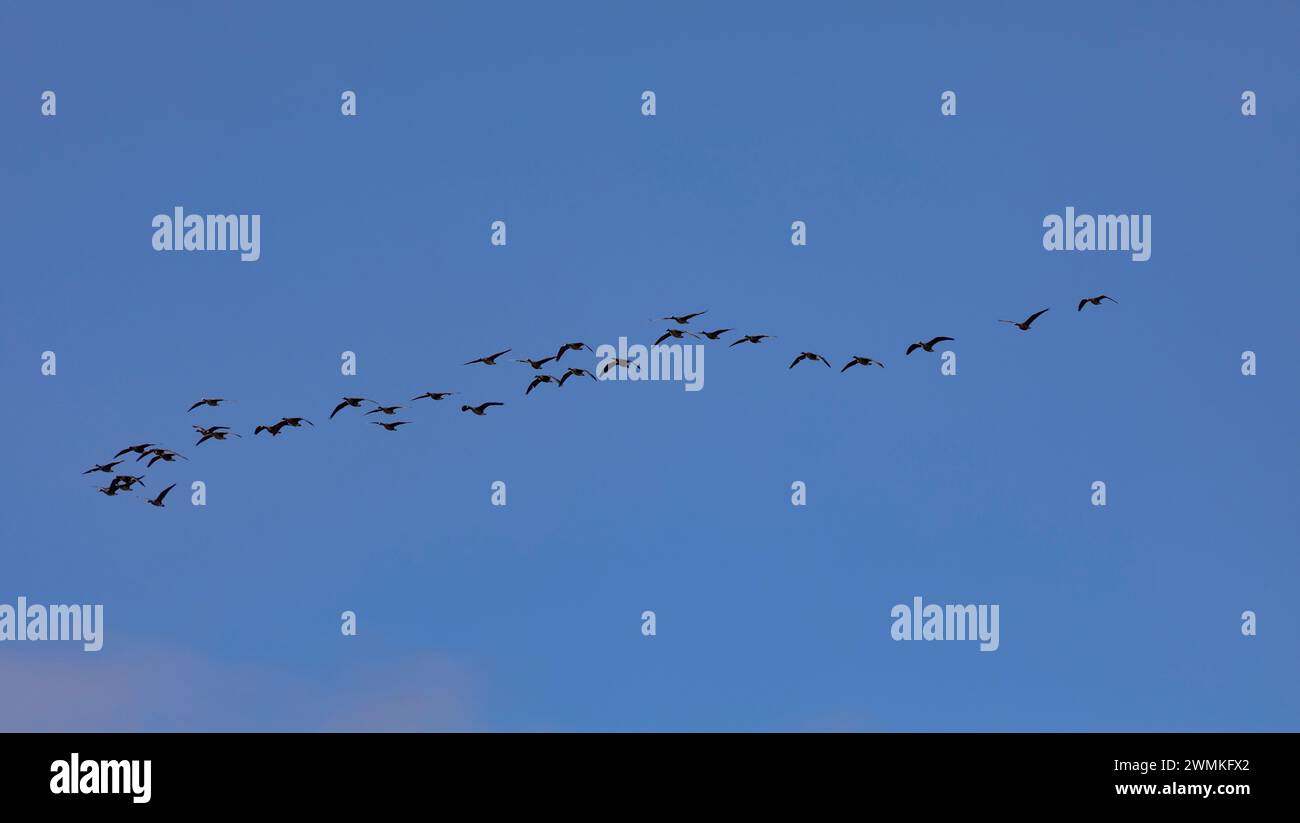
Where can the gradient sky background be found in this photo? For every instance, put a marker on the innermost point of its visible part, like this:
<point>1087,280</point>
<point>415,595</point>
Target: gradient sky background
<point>632,496</point>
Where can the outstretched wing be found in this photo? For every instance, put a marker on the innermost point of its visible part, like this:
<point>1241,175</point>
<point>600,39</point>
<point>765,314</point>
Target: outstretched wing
<point>1036,315</point>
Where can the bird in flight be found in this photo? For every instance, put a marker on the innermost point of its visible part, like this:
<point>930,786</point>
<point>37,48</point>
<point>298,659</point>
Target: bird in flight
<point>676,334</point>
<point>296,422</point>
<point>575,372</point>
<point>135,449</point>
<point>537,364</point>
<point>1028,322</point>
<point>158,501</point>
<point>159,451</point>
<point>1096,301</point>
<point>354,402</point>
<point>572,347</point>
<point>110,489</point>
<point>378,409</point>
<point>392,427</point>
<point>807,355</point>
<point>715,334</point>
<point>616,361</point>
<point>165,456</point>
<point>433,395</point>
<point>861,361</point>
<point>541,378</point>
<point>214,433</point>
<point>927,346</point>
<point>274,428</point>
<point>208,401</point>
<point>751,338</point>
<point>125,482</point>
<point>490,360</point>
<point>105,467</point>
<point>480,409</point>
<point>683,319</point>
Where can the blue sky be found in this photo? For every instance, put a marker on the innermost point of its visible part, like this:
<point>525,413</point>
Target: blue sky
<point>632,496</point>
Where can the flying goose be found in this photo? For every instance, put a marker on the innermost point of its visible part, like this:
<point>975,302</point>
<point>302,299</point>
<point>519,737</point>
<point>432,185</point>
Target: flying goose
<point>296,422</point>
<point>490,360</point>
<point>214,433</point>
<point>135,449</point>
<point>158,501</point>
<point>536,364</point>
<point>572,347</point>
<point>715,334</point>
<point>208,401</point>
<point>616,361</point>
<point>390,410</point>
<point>683,319</point>
<point>1028,322</point>
<point>752,338</point>
<point>158,451</point>
<point>1096,301</point>
<point>274,428</point>
<point>541,378</point>
<point>575,372</point>
<point>676,334</point>
<point>807,355</point>
<point>480,409</point>
<point>165,456</point>
<point>861,361</point>
<point>433,395</point>
<point>105,467</point>
<point>927,346</point>
<point>392,427</point>
<point>354,402</point>
<point>125,482</point>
